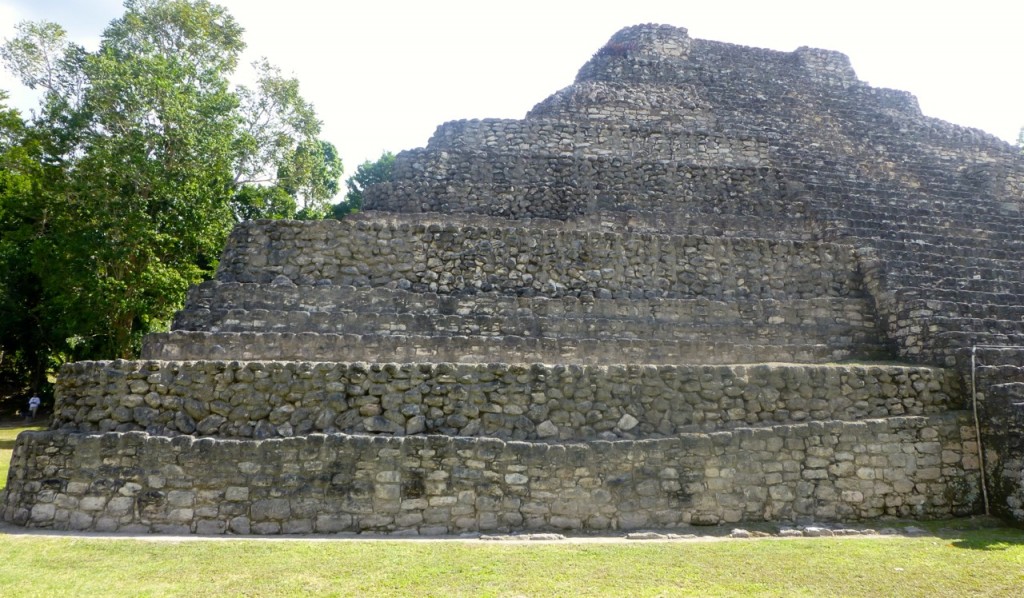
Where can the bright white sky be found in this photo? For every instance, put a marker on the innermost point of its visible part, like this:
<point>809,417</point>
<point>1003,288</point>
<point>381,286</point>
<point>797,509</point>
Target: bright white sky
<point>384,74</point>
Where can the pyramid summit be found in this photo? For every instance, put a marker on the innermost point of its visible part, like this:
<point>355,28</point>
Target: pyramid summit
<point>703,284</point>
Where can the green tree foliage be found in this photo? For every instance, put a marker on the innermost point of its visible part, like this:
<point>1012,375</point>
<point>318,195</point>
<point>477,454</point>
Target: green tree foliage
<point>26,322</point>
<point>368,173</point>
<point>120,191</point>
<point>280,161</point>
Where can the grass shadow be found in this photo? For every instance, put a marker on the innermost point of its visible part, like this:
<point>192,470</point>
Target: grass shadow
<point>40,423</point>
<point>985,544</point>
<point>990,540</point>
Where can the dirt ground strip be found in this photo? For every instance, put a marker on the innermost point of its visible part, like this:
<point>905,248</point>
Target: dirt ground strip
<point>760,531</point>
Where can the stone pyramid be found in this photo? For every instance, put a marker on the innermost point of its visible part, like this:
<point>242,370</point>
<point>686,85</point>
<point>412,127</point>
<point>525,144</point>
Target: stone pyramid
<point>703,284</point>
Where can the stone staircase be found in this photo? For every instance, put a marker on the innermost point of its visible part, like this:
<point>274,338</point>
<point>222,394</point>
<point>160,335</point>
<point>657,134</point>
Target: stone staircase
<point>704,284</point>
<point>469,294</point>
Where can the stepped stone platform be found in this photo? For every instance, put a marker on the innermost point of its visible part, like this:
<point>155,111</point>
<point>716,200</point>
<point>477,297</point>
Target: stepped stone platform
<point>703,284</point>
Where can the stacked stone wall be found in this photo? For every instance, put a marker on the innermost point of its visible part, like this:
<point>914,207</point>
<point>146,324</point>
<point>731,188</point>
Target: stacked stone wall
<point>562,187</point>
<point>999,382</point>
<point>700,347</point>
<point>134,482</point>
<point>814,96</point>
<point>862,342</point>
<point>683,202</point>
<point>527,325</point>
<point>203,299</point>
<point>846,324</point>
<point>876,140</point>
<point>592,139</point>
<point>794,226</point>
<point>525,402</point>
<point>521,261</point>
<point>933,318</point>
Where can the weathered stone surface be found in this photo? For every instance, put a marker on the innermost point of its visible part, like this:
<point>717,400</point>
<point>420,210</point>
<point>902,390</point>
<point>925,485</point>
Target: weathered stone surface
<point>637,308</point>
<point>717,470</point>
<point>497,400</point>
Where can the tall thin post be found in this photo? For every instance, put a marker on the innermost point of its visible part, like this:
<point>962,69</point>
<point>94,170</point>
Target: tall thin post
<point>977,427</point>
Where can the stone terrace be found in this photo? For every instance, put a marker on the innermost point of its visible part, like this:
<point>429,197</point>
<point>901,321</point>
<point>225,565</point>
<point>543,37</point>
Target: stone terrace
<point>703,284</point>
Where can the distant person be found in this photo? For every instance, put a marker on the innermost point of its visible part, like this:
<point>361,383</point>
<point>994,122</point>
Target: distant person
<point>33,406</point>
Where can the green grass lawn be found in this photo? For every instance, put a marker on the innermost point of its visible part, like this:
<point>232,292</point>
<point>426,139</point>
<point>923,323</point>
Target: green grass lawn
<point>952,562</point>
<point>971,563</point>
<point>8,432</point>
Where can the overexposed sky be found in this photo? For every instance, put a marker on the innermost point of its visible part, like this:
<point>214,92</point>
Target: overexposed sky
<point>383,75</point>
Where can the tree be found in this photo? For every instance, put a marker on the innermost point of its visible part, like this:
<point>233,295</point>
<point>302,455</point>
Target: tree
<point>141,158</point>
<point>141,147</point>
<point>25,322</point>
<point>368,173</point>
<point>280,162</point>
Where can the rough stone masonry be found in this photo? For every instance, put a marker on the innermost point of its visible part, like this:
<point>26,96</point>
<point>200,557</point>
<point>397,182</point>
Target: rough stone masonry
<point>703,284</point>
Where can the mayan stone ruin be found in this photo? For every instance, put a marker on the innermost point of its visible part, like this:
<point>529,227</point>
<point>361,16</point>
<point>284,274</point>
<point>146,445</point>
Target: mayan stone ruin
<point>704,284</point>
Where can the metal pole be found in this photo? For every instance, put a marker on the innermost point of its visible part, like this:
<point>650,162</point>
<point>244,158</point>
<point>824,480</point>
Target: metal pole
<point>977,427</point>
